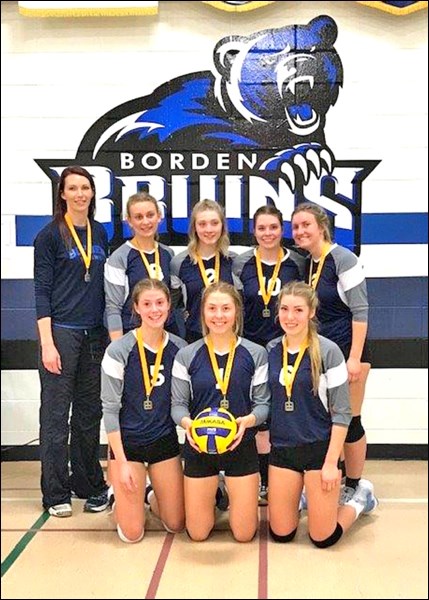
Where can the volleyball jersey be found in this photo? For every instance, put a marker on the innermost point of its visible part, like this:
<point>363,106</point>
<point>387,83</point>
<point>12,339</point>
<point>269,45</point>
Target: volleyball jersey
<point>194,385</point>
<point>123,390</point>
<point>342,294</point>
<point>59,277</point>
<point>312,416</point>
<point>124,268</point>
<point>257,327</point>
<point>186,277</point>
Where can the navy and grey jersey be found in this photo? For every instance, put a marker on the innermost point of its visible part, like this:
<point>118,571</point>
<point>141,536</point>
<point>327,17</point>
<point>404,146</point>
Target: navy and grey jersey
<point>313,416</point>
<point>186,276</point>
<point>60,288</point>
<point>124,268</point>
<point>194,385</point>
<point>258,328</point>
<point>342,294</point>
<point>123,390</point>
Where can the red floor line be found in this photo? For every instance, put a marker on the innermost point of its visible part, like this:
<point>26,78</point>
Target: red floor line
<point>263,555</point>
<point>159,568</point>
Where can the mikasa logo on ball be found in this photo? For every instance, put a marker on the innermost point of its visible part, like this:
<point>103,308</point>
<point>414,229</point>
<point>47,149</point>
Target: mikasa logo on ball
<point>211,422</point>
<point>213,430</point>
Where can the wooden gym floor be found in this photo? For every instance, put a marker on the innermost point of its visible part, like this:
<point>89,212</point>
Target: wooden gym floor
<point>383,556</point>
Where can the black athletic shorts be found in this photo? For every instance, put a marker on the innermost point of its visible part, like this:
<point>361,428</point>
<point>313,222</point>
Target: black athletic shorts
<point>309,457</point>
<point>241,461</point>
<point>159,450</point>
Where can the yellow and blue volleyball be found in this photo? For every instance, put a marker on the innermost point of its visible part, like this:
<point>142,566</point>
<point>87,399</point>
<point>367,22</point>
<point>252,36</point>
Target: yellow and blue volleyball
<point>213,429</point>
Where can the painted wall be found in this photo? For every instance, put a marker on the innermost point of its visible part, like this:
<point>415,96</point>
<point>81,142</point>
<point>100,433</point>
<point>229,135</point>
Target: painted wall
<point>61,75</point>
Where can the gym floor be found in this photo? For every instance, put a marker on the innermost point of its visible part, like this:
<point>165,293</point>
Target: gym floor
<point>384,555</point>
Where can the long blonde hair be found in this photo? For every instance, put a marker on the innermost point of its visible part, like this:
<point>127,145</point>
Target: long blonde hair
<point>305,291</point>
<point>224,288</point>
<point>222,244</point>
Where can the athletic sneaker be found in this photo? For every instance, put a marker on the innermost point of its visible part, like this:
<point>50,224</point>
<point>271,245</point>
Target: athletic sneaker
<point>222,498</point>
<point>148,494</point>
<point>61,510</point>
<point>97,503</point>
<point>364,495</point>
<point>111,498</point>
<point>347,494</point>
<point>263,495</point>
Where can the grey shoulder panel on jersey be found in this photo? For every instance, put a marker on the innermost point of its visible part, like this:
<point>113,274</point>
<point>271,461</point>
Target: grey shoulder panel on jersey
<point>240,260</point>
<point>273,343</point>
<point>258,353</point>
<point>330,353</point>
<point>169,250</point>
<point>120,349</point>
<point>343,258</point>
<point>118,258</point>
<point>176,262</point>
<point>178,341</point>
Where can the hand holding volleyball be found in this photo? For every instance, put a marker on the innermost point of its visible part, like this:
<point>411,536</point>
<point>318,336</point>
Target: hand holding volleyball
<point>213,430</point>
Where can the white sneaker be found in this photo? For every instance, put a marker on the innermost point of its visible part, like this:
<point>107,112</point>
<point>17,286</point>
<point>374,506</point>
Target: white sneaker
<point>61,510</point>
<point>364,495</point>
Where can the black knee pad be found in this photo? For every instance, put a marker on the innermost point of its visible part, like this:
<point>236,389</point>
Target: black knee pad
<point>355,431</point>
<point>331,540</point>
<point>283,539</point>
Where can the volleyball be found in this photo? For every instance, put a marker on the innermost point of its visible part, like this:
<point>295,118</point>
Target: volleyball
<point>213,429</point>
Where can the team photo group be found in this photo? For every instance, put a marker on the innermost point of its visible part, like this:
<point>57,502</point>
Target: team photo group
<point>260,357</point>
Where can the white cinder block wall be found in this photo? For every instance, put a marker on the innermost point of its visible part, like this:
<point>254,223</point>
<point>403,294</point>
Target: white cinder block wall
<point>60,75</point>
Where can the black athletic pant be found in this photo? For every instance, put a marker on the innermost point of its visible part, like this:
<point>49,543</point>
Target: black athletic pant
<point>78,388</point>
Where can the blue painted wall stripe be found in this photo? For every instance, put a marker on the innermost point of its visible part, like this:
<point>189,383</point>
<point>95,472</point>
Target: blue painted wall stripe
<point>395,228</point>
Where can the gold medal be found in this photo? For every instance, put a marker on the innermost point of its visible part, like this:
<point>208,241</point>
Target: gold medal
<point>289,405</point>
<point>224,403</point>
<point>148,404</point>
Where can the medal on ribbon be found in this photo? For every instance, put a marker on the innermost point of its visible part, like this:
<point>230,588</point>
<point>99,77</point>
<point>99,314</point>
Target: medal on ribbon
<point>289,378</point>
<point>149,384</point>
<point>267,293</point>
<point>222,383</point>
<point>86,256</point>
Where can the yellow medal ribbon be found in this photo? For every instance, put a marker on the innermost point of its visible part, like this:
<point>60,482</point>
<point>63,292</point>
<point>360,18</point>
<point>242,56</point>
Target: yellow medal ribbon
<point>147,264</point>
<point>314,280</point>
<point>289,378</point>
<point>222,383</point>
<point>86,256</point>
<point>149,383</point>
<point>203,271</point>
<point>266,294</point>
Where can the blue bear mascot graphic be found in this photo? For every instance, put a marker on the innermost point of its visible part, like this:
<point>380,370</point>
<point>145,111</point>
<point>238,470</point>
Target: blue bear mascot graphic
<point>269,92</point>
